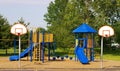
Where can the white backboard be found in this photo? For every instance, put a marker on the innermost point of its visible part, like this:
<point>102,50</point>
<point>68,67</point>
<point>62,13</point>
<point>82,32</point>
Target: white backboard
<point>106,31</point>
<point>18,29</point>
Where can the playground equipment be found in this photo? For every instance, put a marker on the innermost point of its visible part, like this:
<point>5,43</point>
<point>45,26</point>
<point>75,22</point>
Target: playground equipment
<point>84,41</point>
<point>40,39</point>
<point>79,51</point>
<point>37,47</point>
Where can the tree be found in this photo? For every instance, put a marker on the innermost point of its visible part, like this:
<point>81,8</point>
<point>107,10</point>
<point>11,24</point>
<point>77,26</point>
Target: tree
<point>66,15</point>
<point>108,12</point>
<point>56,12</point>
<point>117,33</point>
<point>22,21</point>
<point>4,33</point>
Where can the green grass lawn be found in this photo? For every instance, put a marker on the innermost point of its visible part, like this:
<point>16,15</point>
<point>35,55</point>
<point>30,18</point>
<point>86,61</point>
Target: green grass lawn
<point>3,52</point>
<point>9,52</point>
<point>111,57</point>
<point>109,53</point>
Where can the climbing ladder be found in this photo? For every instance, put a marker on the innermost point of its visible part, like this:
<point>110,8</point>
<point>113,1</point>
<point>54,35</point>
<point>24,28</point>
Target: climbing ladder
<point>37,54</point>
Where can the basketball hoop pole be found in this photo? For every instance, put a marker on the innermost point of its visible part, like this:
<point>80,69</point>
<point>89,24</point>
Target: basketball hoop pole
<point>104,31</point>
<point>18,30</point>
<point>19,49</point>
<point>101,57</point>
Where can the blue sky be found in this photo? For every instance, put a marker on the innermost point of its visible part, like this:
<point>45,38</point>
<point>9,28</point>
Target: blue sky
<point>31,10</point>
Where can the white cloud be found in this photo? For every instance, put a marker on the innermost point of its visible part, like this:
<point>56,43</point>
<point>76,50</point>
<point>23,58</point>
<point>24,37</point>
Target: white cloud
<point>27,2</point>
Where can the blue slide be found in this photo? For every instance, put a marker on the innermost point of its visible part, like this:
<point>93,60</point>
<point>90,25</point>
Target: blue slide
<point>79,51</point>
<point>23,54</point>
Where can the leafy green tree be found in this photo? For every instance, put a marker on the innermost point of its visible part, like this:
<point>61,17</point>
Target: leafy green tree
<point>108,12</point>
<point>22,21</point>
<point>66,15</point>
<point>54,17</point>
<point>4,33</point>
<point>117,33</point>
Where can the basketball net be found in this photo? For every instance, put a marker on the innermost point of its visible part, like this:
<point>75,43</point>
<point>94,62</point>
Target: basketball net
<point>106,33</point>
<point>18,34</point>
<point>107,36</point>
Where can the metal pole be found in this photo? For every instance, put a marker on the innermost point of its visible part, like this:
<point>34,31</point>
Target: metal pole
<point>101,58</point>
<point>42,47</point>
<point>19,51</point>
<point>48,46</point>
<point>31,44</point>
<point>86,45</point>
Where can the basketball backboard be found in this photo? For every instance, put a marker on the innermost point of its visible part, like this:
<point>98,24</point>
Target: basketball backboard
<point>18,29</point>
<point>106,31</point>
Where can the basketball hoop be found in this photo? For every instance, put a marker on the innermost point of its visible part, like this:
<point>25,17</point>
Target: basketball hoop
<point>106,31</point>
<point>18,29</point>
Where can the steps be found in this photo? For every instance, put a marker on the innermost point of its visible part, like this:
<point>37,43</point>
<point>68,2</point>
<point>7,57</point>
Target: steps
<point>37,54</point>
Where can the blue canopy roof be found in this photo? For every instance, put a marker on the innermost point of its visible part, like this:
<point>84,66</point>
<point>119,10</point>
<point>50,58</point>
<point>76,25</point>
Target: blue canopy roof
<point>84,28</point>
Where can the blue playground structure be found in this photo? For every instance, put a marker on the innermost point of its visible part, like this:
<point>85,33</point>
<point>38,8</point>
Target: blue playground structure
<point>79,51</point>
<point>84,41</point>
